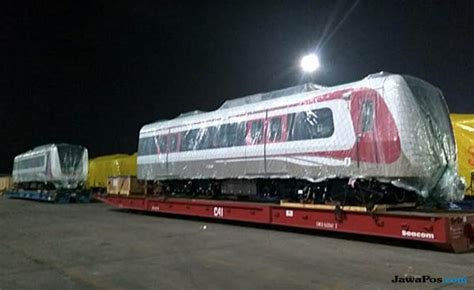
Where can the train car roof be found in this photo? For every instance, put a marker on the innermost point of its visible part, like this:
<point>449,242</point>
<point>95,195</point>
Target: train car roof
<point>256,101</point>
<point>43,148</point>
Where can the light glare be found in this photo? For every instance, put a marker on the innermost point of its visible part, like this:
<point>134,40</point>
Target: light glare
<point>310,63</point>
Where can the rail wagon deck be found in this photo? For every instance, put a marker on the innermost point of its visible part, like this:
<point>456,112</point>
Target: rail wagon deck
<point>449,231</point>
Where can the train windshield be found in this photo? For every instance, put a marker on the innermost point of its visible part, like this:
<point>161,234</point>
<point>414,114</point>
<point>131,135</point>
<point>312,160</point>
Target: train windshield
<point>432,103</point>
<point>445,183</point>
<point>70,158</point>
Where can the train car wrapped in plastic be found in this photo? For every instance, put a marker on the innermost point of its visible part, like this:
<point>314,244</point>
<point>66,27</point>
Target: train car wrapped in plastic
<point>51,172</point>
<point>386,138</point>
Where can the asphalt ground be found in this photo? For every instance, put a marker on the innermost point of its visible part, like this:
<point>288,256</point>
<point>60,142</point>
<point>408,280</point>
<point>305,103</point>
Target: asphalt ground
<point>93,246</point>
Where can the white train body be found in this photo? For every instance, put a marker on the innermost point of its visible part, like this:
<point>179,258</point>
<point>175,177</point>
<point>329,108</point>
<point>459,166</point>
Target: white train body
<point>62,165</point>
<point>391,128</point>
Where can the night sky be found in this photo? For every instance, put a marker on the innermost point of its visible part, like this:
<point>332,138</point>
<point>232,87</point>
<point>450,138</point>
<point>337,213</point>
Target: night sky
<point>94,72</point>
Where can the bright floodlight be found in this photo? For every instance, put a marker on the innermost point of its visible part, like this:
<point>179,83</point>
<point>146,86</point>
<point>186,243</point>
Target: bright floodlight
<point>310,63</point>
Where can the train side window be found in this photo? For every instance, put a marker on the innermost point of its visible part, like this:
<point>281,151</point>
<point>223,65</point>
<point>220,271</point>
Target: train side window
<point>203,138</point>
<point>189,142</point>
<point>162,144</point>
<point>38,161</point>
<point>207,139</point>
<point>231,131</point>
<point>313,124</point>
<point>147,146</point>
<point>34,162</point>
<point>223,136</point>
<point>299,130</point>
<point>141,146</point>
<point>173,143</point>
<point>274,133</point>
<point>367,115</point>
<point>213,137</point>
<point>256,132</point>
<point>239,138</point>
<point>231,135</point>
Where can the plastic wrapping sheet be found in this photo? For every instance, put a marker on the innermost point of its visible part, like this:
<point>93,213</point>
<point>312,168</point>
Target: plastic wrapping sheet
<point>388,127</point>
<point>426,136</point>
<point>463,126</point>
<point>63,165</point>
<point>101,168</point>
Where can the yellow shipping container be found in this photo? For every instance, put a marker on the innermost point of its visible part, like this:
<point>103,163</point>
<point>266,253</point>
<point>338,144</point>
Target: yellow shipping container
<point>102,167</point>
<point>463,126</point>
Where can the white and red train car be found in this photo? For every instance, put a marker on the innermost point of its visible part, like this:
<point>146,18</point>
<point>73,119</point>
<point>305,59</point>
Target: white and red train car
<point>386,135</point>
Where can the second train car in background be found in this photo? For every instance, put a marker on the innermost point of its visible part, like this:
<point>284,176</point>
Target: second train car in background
<point>52,172</point>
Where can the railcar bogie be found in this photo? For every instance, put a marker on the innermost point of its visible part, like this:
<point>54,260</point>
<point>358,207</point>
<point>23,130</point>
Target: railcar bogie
<point>332,191</point>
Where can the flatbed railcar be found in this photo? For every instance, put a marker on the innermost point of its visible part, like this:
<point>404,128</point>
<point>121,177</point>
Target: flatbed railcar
<point>447,231</point>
